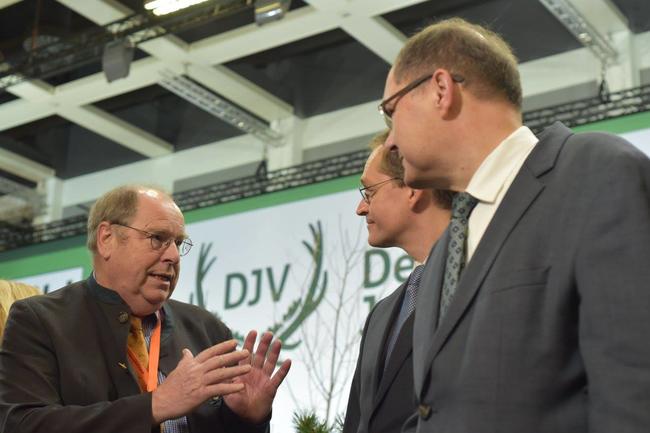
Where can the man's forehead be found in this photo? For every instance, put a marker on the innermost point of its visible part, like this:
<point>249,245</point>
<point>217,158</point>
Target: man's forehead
<point>172,227</point>
<point>371,169</point>
<point>390,84</point>
<point>158,212</point>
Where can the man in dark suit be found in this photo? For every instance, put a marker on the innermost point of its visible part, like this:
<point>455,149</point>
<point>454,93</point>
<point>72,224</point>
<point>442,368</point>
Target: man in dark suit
<point>115,354</point>
<point>537,308</point>
<point>381,397</point>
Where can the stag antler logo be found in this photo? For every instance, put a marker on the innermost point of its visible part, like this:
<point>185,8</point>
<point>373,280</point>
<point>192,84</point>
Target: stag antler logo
<point>298,311</point>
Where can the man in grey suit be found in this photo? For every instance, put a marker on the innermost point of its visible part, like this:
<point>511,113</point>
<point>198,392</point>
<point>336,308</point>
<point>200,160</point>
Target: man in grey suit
<point>114,354</point>
<point>381,397</point>
<point>536,314</point>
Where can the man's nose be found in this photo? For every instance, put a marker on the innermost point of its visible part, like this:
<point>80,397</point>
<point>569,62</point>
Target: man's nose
<point>362,208</point>
<point>171,252</point>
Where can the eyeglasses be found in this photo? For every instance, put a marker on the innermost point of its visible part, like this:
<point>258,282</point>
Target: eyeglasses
<point>367,192</point>
<point>387,111</point>
<point>159,241</point>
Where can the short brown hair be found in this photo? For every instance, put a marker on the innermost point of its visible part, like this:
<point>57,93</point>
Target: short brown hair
<point>118,205</point>
<point>391,165</point>
<point>485,61</point>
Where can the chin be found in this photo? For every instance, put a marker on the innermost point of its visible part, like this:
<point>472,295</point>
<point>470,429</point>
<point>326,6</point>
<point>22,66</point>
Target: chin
<point>379,243</point>
<point>418,179</point>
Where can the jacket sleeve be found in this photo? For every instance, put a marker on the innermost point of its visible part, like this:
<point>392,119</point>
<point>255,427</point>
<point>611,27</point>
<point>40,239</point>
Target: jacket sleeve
<point>613,280</point>
<point>30,400</point>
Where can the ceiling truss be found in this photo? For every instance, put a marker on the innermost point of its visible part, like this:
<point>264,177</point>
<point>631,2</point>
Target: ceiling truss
<point>202,62</point>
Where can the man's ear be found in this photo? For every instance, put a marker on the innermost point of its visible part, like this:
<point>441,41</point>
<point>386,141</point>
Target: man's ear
<point>106,240</point>
<point>417,199</point>
<point>445,97</point>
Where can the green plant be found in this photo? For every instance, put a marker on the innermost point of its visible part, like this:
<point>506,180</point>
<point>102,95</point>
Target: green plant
<point>306,421</point>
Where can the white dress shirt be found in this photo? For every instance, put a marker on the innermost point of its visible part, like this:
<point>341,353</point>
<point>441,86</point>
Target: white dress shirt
<point>493,179</point>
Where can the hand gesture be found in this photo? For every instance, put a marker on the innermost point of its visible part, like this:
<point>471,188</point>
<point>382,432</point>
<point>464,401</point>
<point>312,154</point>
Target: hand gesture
<point>196,379</point>
<point>253,402</point>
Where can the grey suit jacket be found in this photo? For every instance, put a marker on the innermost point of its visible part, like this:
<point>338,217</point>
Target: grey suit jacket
<point>63,365</point>
<point>381,400</point>
<point>548,330</point>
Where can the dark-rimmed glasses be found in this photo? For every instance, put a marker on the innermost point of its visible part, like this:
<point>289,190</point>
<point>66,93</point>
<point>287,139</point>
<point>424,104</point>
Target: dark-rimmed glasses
<point>159,241</point>
<point>368,191</point>
<point>387,111</point>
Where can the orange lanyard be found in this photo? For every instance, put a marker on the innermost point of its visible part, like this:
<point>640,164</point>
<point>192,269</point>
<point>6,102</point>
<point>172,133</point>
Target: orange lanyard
<point>149,376</point>
<point>154,356</point>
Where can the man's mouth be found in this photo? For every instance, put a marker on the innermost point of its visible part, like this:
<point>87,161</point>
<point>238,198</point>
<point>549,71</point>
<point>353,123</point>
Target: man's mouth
<point>162,276</point>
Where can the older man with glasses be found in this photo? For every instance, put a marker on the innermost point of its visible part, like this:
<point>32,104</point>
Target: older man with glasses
<point>114,354</point>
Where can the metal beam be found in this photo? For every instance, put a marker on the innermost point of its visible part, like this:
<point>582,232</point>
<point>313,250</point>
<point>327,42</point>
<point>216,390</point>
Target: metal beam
<point>173,50</point>
<point>117,130</point>
<point>583,28</point>
<point>376,34</point>
<point>94,119</point>
<point>250,39</point>
<point>22,167</point>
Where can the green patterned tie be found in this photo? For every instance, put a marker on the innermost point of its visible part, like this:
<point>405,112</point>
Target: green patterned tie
<point>461,208</point>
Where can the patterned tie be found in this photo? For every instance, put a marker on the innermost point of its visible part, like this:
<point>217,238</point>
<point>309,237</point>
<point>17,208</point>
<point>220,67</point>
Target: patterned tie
<point>408,306</point>
<point>461,208</point>
<point>138,347</point>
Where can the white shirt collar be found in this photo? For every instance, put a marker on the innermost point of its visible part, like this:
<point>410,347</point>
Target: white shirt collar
<point>493,173</point>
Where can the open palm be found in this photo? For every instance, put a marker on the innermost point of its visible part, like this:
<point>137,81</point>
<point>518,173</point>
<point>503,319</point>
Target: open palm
<point>253,402</point>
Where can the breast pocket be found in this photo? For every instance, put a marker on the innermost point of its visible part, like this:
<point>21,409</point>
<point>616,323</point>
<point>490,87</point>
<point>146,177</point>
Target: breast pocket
<point>506,280</point>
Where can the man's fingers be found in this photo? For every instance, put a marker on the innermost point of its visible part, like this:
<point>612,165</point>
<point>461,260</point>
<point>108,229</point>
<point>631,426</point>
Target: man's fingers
<point>224,388</point>
<point>226,360</point>
<point>262,348</point>
<point>217,349</point>
<point>278,377</point>
<point>249,343</point>
<point>272,358</point>
<point>220,375</point>
<point>186,355</point>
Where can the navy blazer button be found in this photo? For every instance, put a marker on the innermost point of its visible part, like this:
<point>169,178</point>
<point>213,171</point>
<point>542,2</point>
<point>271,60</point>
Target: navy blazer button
<point>123,317</point>
<point>424,411</point>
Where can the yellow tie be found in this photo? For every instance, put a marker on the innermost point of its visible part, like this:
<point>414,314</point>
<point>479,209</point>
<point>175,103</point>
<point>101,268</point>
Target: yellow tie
<point>138,353</point>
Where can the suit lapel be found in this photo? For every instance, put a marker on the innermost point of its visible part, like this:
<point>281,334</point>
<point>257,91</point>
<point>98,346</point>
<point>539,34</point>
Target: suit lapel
<point>170,352</point>
<point>398,357</point>
<point>522,193</point>
<point>426,311</point>
<point>111,328</point>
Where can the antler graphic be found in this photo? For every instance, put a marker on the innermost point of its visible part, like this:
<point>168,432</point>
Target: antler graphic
<point>203,268</point>
<point>301,308</point>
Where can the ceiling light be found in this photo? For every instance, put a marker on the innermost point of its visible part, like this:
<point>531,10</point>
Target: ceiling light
<point>164,7</point>
<point>270,10</point>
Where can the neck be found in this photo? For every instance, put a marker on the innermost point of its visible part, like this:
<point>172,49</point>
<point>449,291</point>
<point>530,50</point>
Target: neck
<point>482,128</point>
<point>426,230</point>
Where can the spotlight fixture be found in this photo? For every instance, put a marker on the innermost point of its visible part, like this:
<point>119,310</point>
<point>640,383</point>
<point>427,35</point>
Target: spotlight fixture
<point>164,7</point>
<point>117,58</point>
<point>270,10</point>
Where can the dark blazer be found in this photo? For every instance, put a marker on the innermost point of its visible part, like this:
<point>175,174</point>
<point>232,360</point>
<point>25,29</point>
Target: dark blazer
<point>63,365</point>
<point>548,330</point>
<point>380,401</point>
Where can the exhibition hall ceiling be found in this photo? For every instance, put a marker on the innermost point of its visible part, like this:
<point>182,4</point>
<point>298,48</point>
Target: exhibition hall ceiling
<point>322,57</point>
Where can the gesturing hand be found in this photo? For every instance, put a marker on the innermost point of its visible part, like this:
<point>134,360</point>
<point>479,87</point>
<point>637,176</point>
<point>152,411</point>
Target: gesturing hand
<point>253,401</point>
<point>196,379</point>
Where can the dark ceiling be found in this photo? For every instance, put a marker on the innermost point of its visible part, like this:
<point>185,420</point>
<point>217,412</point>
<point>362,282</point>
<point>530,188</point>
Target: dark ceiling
<point>318,74</point>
